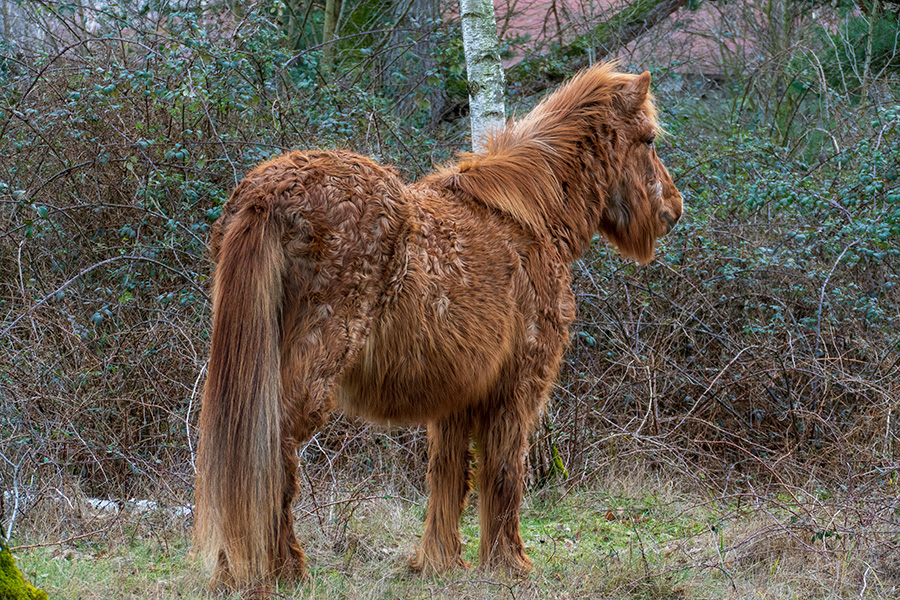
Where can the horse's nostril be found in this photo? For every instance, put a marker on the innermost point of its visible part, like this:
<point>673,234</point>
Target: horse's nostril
<point>670,221</point>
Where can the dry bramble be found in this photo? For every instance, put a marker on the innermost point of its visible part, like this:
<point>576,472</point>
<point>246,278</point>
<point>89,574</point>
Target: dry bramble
<point>445,302</point>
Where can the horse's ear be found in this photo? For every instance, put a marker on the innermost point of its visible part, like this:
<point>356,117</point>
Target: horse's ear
<point>640,87</point>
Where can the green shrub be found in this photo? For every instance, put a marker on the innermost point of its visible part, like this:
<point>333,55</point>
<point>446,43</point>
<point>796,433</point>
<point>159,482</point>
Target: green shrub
<point>843,52</point>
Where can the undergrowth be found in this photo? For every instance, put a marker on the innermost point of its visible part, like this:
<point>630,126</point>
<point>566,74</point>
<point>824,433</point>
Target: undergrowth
<point>756,360</point>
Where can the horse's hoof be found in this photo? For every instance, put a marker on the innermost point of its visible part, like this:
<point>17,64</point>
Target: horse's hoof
<point>293,566</point>
<point>514,566</point>
<point>419,564</point>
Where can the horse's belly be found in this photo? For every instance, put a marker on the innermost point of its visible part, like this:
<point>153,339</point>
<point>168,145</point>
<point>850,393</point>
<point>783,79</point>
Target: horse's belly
<point>409,374</point>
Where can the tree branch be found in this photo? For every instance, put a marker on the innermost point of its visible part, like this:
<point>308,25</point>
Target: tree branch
<point>634,20</point>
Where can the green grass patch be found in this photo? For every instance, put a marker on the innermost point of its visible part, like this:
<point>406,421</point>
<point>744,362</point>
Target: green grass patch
<point>585,543</point>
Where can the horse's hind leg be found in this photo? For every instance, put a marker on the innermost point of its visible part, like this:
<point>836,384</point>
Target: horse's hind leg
<point>449,478</point>
<point>290,562</point>
<point>500,439</point>
<point>304,415</point>
<point>310,367</point>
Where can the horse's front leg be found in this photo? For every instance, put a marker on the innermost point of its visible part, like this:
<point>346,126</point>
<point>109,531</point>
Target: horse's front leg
<point>501,434</point>
<point>449,478</point>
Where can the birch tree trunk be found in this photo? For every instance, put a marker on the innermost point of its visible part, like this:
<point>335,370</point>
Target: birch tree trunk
<point>483,69</point>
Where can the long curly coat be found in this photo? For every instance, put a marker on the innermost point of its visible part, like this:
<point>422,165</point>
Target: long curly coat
<point>444,302</point>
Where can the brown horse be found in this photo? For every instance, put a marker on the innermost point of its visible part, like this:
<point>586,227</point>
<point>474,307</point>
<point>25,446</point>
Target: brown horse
<point>445,302</point>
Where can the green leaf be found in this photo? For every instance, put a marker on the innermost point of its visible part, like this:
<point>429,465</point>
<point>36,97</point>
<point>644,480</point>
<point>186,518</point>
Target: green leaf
<point>587,338</point>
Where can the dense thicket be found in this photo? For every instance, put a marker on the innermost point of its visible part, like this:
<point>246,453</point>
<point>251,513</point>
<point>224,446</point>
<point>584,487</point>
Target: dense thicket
<point>762,345</point>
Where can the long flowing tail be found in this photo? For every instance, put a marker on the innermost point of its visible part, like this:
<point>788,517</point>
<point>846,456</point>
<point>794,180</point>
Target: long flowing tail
<point>239,464</point>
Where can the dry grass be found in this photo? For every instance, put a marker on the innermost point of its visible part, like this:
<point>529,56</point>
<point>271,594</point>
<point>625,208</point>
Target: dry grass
<point>637,533</point>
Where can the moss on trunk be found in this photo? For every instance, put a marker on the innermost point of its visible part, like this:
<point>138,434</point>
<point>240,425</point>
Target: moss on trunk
<point>13,585</point>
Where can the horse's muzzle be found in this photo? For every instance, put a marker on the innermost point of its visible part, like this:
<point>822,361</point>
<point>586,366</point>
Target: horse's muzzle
<point>669,220</point>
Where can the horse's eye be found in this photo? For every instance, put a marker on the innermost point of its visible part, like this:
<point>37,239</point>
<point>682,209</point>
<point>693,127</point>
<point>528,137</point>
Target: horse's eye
<point>650,140</point>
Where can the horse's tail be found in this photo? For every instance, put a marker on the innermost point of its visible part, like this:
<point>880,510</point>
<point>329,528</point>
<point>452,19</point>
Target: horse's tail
<point>239,463</point>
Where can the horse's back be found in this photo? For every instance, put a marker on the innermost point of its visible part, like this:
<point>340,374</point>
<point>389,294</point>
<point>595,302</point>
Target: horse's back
<point>320,196</point>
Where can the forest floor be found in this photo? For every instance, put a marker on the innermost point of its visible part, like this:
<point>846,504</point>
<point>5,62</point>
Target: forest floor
<point>632,535</point>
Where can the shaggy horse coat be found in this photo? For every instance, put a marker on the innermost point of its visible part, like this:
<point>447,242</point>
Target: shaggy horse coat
<point>445,302</point>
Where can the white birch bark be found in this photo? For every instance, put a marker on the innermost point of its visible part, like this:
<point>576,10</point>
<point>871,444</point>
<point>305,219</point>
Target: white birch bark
<point>483,69</point>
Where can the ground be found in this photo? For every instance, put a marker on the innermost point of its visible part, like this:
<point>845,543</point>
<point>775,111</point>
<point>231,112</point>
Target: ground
<point>635,534</point>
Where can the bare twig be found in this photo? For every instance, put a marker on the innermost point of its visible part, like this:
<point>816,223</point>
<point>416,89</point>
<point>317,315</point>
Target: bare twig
<point>88,270</point>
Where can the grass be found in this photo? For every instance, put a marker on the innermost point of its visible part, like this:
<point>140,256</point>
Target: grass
<point>634,537</point>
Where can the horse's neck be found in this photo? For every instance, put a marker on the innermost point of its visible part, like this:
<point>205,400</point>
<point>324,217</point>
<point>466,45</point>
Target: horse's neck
<point>573,224</point>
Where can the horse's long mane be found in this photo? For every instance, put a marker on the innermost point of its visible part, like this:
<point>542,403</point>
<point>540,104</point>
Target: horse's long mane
<point>529,165</point>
